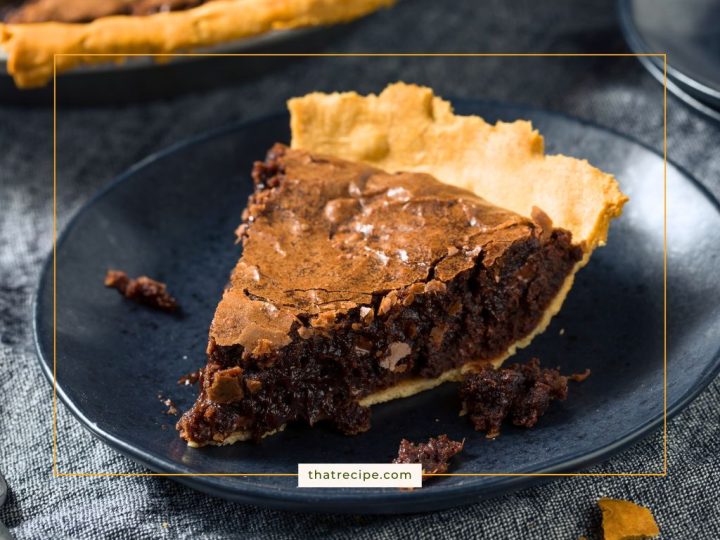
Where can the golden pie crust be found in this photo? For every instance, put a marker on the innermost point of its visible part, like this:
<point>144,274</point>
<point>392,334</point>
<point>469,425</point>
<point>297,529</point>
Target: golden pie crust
<point>30,47</point>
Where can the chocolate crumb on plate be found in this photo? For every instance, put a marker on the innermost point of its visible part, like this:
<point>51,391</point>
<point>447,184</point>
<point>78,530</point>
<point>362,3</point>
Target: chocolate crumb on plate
<point>520,392</point>
<point>580,377</point>
<point>171,407</point>
<point>434,455</point>
<point>143,290</point>
<point>190,378</point>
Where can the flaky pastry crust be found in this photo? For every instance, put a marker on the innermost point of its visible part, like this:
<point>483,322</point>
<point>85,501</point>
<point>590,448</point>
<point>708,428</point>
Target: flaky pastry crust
<point>407,128</point>
<point>30,47</point>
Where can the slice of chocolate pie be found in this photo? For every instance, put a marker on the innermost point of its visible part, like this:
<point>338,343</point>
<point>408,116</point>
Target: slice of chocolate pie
<point>357,286</point>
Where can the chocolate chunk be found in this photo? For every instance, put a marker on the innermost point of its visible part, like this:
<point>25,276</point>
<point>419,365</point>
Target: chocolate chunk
<point>253,385</point>
<point>488,397</point>
<point>434,455</point>
<point>226,386</point>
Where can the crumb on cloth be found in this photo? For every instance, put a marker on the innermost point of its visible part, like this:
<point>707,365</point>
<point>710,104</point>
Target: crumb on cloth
<point>625,520</point>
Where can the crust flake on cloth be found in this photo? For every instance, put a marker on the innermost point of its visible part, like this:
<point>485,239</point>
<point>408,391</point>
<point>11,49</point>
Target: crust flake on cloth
<point>407,128</point>
<point>30,47</point>
<point>625,520</point>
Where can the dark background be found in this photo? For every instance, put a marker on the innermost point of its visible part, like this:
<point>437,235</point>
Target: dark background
<point>96,144</point>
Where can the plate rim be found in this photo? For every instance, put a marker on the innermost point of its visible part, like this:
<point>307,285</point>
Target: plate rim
<point>355,500</point>
<point>679,83</point>
<point>695,104</point>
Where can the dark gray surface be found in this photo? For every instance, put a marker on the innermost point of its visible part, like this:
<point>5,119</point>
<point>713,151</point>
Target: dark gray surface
<point>97,144</point>
<point>4,533</point>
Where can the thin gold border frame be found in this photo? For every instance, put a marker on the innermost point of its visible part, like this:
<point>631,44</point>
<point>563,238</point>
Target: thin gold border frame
<point>664,473</point>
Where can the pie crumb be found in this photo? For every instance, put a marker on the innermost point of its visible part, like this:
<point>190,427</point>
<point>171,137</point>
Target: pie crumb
<point>143,290</point>
<point>520,393</point>
<point>434,455</point>
<point>171,407</point>
<point>190,378</point>
<point>580,377</point>
<point>625,520</point>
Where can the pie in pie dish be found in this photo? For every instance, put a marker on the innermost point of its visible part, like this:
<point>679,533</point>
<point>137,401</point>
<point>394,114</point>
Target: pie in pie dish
<point>370,272</point>
<point>33,31</point>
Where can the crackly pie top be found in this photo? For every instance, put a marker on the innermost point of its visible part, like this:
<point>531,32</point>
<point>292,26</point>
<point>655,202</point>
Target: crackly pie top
<point>324,234</point>
<point>407,128</point>
<point>33,11</point>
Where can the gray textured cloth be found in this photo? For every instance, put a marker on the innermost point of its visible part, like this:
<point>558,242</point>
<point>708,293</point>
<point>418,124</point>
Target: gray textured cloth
<point>99,143</point>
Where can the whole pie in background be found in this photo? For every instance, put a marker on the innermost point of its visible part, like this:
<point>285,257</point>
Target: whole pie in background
<point>33,31</point>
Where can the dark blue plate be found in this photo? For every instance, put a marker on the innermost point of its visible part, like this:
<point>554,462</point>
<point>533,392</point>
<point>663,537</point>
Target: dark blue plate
<point>172,217</point>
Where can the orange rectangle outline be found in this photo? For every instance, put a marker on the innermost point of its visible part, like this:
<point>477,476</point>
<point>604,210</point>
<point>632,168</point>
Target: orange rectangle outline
<point>664,473</point>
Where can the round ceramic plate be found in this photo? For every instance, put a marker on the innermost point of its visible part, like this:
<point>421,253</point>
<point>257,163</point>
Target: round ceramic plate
<point>172,217</point>
<point>688,32</point>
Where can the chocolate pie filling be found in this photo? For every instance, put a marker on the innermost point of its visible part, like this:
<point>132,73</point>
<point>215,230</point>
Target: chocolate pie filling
<point>81,11</point>
<point>353,280</point>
